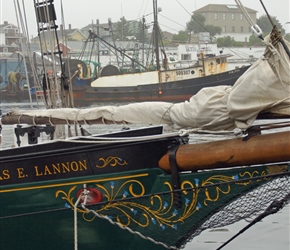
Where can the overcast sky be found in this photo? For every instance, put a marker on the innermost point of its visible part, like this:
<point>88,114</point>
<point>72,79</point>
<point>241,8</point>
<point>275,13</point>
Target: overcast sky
<point>172,18</point>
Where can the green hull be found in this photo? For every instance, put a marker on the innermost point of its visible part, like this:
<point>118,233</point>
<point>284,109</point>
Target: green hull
<point>40,215</point>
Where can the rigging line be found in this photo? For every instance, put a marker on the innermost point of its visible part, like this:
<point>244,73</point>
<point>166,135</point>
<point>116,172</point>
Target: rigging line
<point>242,7</point>
<point>269,17</point>
<point>168,27</point>
<point>183,7</point>
<point>141,7</point>
<point>25,31</point>
<point>30,56</point>
<point>237,52</point>
<point>254,27</point>
<point>171,20</point>
<point>69,100</point>
<point>240,52</point>
<point>145,8</point>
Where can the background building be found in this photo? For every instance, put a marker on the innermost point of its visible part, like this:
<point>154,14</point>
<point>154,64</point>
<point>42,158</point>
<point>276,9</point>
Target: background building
<point>231,20</point>
<point>9,39</point>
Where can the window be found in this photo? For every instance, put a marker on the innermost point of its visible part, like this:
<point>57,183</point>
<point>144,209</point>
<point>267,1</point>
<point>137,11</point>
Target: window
<point>241,16</point>
<point>232,6</point>
<point>233,16</point>
<point>185,57</point>
<point>242,29</point>
<point>5,50</point>
<point>233,29</point>
<point>224,16</point>
<point>215,16</point>
<point>224,29</point>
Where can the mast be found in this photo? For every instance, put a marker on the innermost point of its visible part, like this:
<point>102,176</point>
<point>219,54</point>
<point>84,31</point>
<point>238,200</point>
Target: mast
<point>143,39</point>
<point>156,33</point>
<point>98,48</point>
<point>47,28</point>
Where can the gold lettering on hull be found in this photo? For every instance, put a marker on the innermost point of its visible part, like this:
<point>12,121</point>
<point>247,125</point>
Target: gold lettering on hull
<point>4,175</point>
<point>19,174</point>
<point>61,168</point>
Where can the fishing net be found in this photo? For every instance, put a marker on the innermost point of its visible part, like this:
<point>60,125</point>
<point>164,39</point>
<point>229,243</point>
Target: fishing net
<point>172,219</point>
<point>258,203</point>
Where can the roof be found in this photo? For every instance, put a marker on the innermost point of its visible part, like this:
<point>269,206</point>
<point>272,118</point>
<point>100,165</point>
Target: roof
<point>62,33</point>
<point>7,26</point>
<point>222,8</point>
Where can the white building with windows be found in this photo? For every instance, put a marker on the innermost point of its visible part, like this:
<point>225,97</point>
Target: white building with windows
<point>230,19</point>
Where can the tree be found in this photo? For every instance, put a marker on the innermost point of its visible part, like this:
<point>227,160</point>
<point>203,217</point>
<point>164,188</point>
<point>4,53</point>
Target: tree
<point>122,29</point>
<point>181,37</point>
<point>213,30</point>
<point>255,41</point>
<point>264,23</point>
<point>196,23</point>
<point>141,33</point>
<point>225,42</point>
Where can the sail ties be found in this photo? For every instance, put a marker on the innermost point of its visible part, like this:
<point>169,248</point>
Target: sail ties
<point>277,58</point>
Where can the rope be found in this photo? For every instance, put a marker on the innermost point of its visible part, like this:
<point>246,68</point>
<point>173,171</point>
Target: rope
<point>274,207</point>
<point>243,9</point>
<point>76,223</point>
<point>83,204</point>
<point>85,194</point>
<point>129,229</point>
<point>201,131</point>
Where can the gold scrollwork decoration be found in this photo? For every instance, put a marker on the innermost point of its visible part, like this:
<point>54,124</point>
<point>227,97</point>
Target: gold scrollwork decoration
<point>113,161</point>
<point>158,208</point>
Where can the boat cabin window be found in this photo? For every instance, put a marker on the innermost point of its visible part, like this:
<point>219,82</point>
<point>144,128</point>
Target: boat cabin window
<point>221,60</point>
<point>185,57</point>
